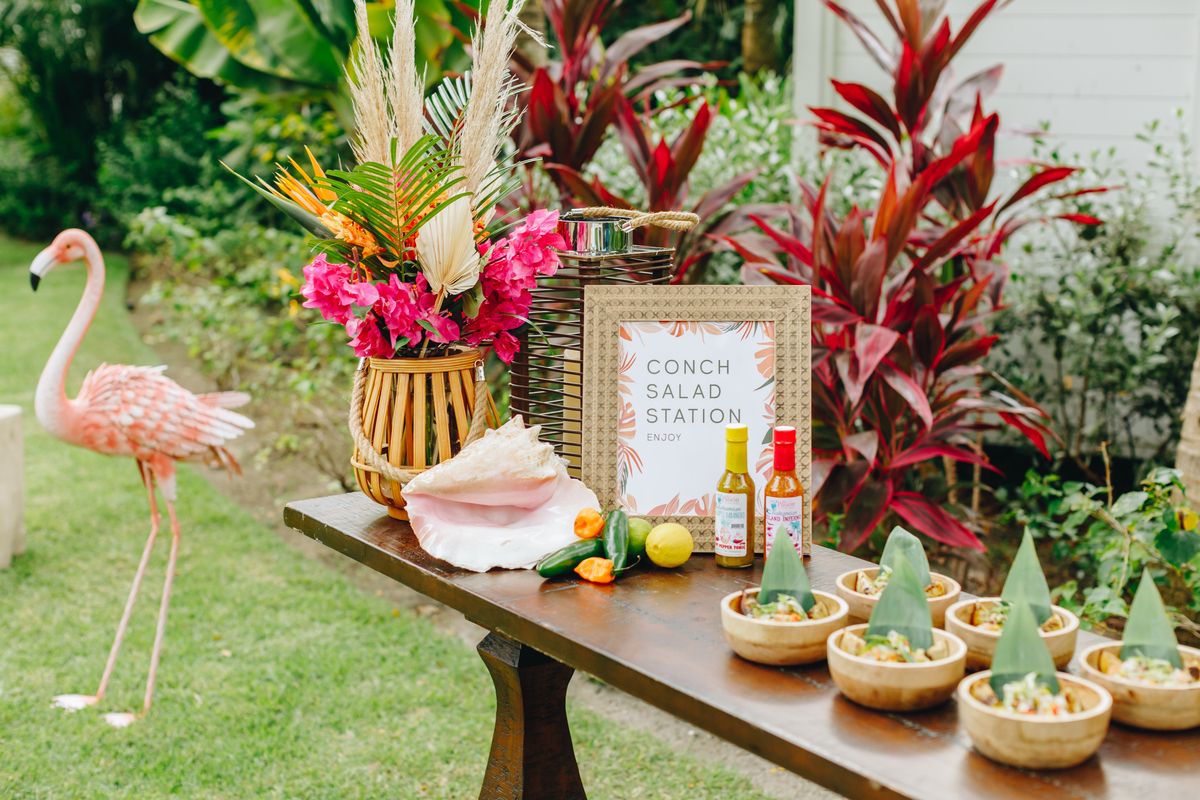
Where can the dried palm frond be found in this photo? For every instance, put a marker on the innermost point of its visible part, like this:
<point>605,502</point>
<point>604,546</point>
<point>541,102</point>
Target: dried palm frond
<point>446,250</point>
<point>488,109</point>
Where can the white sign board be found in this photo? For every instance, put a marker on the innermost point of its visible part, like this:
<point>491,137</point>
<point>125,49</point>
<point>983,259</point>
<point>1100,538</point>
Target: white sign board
<point>680,383</point>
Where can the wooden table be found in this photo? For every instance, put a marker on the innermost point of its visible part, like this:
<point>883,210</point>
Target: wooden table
<point>657,636</point>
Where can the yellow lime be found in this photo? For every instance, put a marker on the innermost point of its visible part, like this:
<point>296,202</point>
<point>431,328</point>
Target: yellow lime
<point>639,529</point>
<point>669,544</point>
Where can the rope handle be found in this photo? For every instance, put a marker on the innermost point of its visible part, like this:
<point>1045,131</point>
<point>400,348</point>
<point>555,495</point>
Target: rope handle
<point>671,220</point>
<point>367,452</point>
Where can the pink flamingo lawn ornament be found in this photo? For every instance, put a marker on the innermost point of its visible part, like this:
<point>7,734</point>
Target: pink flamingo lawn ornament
<point>129,411</point>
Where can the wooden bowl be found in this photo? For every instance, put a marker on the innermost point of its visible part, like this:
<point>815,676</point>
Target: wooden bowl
<point>1021,740</point>
<point>895,687</point>
<point>781,643</point>
<point>981,644</point>
<point>1156,708</point>
<point>861,604</point>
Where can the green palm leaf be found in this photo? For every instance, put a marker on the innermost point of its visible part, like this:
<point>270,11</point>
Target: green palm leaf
<point>784,573</point>
<point>903,607</point>
<point>1020,651</point>
<point>1149,632</point>
<point>1027,583</point>
<point>901,541</point>
<point>393,201</point>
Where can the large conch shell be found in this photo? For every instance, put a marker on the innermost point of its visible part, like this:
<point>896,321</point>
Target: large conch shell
<point>504,501</point>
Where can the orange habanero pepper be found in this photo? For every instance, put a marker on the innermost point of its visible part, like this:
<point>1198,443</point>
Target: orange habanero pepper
<point>596,570</point>
<point>588,523</point>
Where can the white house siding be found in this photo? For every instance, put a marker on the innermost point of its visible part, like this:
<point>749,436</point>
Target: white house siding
<point>1097,70</point>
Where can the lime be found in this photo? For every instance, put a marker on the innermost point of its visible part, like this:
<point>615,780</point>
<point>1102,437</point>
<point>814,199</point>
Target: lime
<point>639,529</point>
<point>669,544</point>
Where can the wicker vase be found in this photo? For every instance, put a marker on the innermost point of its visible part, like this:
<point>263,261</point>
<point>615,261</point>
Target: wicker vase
<point>408,414</point>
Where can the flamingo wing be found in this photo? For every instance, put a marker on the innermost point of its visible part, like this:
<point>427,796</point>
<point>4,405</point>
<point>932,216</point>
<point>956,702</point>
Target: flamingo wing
<point>140,411</point>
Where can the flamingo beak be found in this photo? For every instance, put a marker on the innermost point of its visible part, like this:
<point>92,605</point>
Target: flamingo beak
<point>41,265</point>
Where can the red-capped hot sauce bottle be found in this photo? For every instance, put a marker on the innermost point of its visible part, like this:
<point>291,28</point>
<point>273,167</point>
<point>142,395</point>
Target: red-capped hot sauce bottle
<point>783,501</point>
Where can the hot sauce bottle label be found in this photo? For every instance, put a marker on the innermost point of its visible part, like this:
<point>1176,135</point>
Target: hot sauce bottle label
<point>730,524</point>
<point>784,513</point>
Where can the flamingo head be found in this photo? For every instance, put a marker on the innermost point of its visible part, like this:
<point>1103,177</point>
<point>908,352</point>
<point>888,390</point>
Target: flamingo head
<point>70,245</point>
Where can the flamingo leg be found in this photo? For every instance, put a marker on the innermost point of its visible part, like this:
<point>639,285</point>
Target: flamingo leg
<point>74,702</point>
<point>124,719</point>
<point>162,611</point>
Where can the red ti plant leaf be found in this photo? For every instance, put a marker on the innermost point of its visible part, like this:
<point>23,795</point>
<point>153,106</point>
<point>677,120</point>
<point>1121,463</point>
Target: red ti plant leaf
<point>871,103</point>
<point>929,339</point>
<point>865,511</point>
<point>932,521</point>
<point>903,384</point>
<point>916,455</point>
<point>850,126</point>
<point>1029,431</point>
<point>1081,219</point>
<point>866,283</point>
<point>1036,182</point>
<point>633,42</point>
<point>870,41</point>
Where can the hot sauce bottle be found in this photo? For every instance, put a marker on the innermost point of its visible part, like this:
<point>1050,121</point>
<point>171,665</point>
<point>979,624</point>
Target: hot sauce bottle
<point>734,516</point>
<point>783,501</point>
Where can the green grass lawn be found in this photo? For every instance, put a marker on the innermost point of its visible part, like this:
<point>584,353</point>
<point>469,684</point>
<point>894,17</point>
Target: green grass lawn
<point>279,678</point>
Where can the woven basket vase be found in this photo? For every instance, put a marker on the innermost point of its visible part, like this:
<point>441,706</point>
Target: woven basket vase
<point>415,413</point>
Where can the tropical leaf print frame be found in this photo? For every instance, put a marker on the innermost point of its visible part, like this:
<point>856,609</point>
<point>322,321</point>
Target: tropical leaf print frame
<point>606,415</point>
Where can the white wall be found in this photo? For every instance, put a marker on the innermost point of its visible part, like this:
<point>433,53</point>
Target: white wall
<point>1097,70</point>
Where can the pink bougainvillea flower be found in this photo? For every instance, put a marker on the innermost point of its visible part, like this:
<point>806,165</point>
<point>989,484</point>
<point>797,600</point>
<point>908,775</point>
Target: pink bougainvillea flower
<point>367,339</point>
<point>333,291</point>
<point>359,293</point>
<point>322,290</point>
<point>506,346</point>
<point>397,307</point>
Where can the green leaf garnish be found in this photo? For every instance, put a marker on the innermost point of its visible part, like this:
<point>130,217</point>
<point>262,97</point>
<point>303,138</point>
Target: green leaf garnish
<point>901,541</point>
<point>784,574</point>
<point>1020,651</point>
<point>1027,583</point>
<point>903,607</point>
<point>1148,631</point>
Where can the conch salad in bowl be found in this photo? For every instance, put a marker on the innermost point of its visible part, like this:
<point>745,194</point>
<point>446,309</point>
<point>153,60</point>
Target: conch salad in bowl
<point>892,648</point>
<point>1029,696</point>
<point>1150,671</point>
<point>865,584</point>
<point>989,615</point>
<point>784,608</point>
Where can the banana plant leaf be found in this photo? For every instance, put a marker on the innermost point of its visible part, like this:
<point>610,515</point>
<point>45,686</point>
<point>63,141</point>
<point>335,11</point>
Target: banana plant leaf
<point>901,541</point>
<point>178,29</point>
<point>1148,631</point>
<point>784,573</point>
<point>1027,583</point>
<point>903,607</point>
<point>1020,651</point>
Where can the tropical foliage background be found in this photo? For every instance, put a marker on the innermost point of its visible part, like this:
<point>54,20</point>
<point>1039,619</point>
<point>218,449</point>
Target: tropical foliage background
<point>997,346</point>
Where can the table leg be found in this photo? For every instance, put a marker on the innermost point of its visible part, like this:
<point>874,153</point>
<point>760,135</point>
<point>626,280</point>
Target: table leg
<point>532,757</point>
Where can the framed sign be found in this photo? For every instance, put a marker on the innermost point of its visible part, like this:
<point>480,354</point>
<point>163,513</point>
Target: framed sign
<point>666,368</point>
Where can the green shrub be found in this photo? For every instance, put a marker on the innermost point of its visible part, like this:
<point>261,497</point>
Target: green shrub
<point>1103,542</point>
<point>1104,321</point>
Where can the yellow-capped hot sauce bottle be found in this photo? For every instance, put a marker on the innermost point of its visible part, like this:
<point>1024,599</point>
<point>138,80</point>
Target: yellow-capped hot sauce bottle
<point>734,545</point>
<point>783,497</point>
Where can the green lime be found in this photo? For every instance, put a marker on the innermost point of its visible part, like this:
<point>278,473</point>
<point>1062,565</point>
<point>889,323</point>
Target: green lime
<point>639,529</point>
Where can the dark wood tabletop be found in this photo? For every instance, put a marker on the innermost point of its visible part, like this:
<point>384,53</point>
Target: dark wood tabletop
<point>657,636</point>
